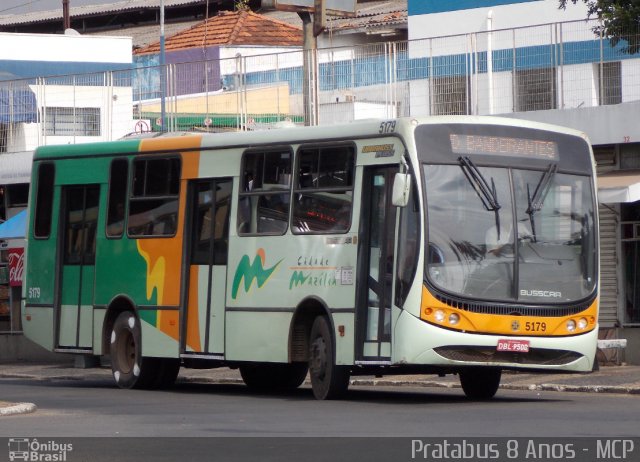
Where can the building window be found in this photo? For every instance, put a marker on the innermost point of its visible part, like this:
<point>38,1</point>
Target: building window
<point>17,195</point>
<point>323,193</point>
<point>535,89</point>
<point>630,156</point>
<point>609,78</point>
<point>69,121</point>
<point>630,240</point>
<point>450,95</point>
<point>265,193</point>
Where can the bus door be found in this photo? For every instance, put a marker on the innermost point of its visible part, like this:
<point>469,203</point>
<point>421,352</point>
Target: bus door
<point>79,212</point>
<point>377,241</point>
<point>207,247</point>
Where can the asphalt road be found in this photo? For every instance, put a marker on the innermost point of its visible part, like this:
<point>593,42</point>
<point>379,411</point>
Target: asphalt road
<point>294,426</point>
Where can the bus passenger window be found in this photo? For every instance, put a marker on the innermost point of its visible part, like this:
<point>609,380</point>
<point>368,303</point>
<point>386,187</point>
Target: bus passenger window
<point>117,197</point>
<point>323,195</point>
<point>153,205</point>
<point>263,206</point>
<point>44,200</point>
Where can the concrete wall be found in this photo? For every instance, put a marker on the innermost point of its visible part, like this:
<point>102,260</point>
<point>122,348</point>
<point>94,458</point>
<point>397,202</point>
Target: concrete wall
<point>604,124</point>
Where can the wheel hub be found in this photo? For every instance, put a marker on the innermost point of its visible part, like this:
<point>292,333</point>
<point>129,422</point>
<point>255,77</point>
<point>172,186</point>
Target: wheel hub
<point>318,363</point>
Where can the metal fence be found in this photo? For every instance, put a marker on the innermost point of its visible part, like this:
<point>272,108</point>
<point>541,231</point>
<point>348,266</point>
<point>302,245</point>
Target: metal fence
<point>553,66</point>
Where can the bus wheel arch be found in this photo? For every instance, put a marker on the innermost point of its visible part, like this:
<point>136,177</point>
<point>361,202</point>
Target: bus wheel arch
<point>117,306</point>
<point>300,330</point>
<point>312,338</point>
<point>123,335</point>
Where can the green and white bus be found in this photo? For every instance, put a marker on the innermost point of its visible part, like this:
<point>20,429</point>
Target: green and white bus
<point>445,245</point>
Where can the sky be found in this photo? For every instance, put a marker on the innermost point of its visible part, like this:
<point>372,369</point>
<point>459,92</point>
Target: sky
<point>29,6</point>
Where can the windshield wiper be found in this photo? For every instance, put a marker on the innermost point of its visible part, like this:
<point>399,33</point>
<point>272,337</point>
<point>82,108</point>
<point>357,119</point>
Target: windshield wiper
<point>536,201</point>
<point>487,194</point>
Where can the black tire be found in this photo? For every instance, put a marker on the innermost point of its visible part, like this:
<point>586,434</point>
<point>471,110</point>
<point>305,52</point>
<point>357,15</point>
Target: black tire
<point>273,376</point>
<point>328,381</point>
<point>480,383</point>
<point>167,372</point>
<point>130,369</point>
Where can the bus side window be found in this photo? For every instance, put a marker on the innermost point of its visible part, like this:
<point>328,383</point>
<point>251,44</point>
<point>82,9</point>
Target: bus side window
<point>408,246</point>
<point>263,206</point>
<point>153,204</point>
<point>117,197</point>
<point>324,190</point>
<point>44,201</point>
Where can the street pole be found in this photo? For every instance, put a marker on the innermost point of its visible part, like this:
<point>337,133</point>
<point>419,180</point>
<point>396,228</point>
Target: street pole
<point>163,71</point>
<point>66,17</point>
<point>309,92</point>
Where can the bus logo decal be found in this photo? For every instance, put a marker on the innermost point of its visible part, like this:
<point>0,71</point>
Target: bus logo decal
<point>298,278</point>
<point>250,271</point>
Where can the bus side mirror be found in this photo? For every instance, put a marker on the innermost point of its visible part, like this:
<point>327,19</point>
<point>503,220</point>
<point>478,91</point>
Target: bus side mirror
<point>401,189</point>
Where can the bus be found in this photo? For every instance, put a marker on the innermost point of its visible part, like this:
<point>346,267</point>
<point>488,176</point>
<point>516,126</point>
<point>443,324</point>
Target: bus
<point>443,245</point>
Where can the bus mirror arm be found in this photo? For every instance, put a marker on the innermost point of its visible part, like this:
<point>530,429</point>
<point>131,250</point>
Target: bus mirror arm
<point>401,189</point>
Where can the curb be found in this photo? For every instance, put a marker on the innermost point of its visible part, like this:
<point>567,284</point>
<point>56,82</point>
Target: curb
<point>629,390</point>
<point>19,408</point>
<point>614,389</point>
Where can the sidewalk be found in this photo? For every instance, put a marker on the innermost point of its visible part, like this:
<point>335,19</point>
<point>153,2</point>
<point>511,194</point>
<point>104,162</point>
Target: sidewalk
<point>609,379</point>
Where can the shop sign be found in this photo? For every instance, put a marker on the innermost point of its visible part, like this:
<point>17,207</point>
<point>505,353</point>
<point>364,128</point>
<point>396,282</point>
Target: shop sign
<point>16,267</point>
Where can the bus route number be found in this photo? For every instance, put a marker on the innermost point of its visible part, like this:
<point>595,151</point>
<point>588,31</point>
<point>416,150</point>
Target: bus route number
<point>34,292</point>
<point>388,126</point>
<point>535,326</point>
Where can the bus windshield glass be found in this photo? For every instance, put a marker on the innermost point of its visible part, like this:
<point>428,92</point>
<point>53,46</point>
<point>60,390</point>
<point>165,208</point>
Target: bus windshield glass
<point>535,244</point>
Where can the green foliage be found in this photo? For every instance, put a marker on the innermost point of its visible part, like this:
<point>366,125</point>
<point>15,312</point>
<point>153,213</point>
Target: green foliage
<point>620,21</point>
<point>241,5</point>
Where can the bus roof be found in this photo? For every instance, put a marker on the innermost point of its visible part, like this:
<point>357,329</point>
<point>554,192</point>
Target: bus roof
<point>356,129</point>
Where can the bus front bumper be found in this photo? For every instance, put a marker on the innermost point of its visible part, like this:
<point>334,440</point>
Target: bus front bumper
<point>419,343</point>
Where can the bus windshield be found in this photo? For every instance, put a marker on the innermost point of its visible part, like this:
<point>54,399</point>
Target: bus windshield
<point>534,241</point>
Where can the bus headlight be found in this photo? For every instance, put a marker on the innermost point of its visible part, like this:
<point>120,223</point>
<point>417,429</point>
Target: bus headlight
<point>454,318</point>
<point>571,325</point>
<point>582,323</point>
<point>439,315</point>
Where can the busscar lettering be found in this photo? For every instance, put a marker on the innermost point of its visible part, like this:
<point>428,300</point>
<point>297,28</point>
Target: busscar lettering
<point>541,293</point>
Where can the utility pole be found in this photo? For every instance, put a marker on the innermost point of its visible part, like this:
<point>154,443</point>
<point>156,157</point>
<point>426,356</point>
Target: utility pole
<point>163,72</point>
<point>66,17</point>
<point>311,28</point>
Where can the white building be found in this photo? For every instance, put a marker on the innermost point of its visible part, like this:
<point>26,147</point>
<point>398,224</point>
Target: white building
<point>54,89</point>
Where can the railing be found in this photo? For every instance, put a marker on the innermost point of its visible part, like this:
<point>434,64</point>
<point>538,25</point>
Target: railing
<point>553,66</point>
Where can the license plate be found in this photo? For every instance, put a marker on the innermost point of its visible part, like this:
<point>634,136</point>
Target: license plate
<point>515,346</point>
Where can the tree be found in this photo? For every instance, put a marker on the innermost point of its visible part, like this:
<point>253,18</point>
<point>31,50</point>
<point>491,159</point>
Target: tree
<point>620,21</point>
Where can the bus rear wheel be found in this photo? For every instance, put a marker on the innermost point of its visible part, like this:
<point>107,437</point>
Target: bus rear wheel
<point>328,380</point>
<point>130,369</point>
<point>480,383</point>
<point>273,376</point>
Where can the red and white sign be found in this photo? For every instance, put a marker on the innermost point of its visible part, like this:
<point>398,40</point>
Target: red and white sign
<point>16,267</point>
<point>514,346</point>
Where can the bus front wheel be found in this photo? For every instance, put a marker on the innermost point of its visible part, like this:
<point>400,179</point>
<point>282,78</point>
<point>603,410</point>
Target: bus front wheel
<point>130,369</point>
<point>480,383</point>
<point>328,380</point>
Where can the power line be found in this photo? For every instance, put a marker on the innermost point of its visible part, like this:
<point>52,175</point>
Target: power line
<point>18,6</point>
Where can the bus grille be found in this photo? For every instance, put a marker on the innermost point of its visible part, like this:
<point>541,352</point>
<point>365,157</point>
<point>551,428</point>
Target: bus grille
<point>490,355</point>
<point>515,310</point>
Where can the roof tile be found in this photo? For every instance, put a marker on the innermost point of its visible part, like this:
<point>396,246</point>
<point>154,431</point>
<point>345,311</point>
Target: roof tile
<point>231,28</point>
